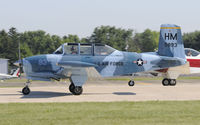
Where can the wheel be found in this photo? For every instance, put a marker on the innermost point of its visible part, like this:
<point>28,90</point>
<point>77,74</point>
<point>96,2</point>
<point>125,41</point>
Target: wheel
<point>77,90</point>
<point>131,83</point>
<point>26,90</point>
<point>172,82</point>
<point>71,88</point>
<point>166,82</point>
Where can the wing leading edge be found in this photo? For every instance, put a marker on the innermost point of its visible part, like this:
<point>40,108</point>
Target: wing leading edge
<point>75,64</point>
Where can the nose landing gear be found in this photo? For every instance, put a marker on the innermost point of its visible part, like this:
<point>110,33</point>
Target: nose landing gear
<point>26,89</point>
<point>131,83</point>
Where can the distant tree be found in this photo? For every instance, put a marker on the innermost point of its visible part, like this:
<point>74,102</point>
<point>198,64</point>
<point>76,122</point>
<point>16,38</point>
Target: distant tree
<point>146,41</point>
<point>56,42</point>
<point>133,45</point>
<point>85,40</point>
<point>156,36</point>
<point>25,50</point>
<point>4,44</point>
<point>39,42</point>
<point>12,45</point>
<point>115,37</point>
<point>192,40</point>
<point>71,39</point>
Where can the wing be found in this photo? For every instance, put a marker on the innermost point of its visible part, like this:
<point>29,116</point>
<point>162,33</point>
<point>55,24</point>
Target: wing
<point>76,71</point>
<point>75,64</point>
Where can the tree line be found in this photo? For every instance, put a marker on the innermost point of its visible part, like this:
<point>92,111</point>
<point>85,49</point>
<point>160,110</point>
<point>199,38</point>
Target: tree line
<point>40,42</point>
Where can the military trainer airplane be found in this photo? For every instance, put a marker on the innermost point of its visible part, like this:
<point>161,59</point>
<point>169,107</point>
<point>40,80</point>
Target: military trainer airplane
<point>71,60</point>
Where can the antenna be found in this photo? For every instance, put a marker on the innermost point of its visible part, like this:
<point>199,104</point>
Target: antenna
<point>19,52</point>
<point>20,60</point>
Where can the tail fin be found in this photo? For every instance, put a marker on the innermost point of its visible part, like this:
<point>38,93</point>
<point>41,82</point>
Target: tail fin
<point>170,41</point>
<point>16,73</point>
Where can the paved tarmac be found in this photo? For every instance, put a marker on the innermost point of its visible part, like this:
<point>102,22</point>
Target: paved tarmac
<point>102,91</point>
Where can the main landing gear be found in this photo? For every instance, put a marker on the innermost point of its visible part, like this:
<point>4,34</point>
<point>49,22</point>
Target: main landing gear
<point>26,89</point>
<point>167,82</point>
<point>75,90</point>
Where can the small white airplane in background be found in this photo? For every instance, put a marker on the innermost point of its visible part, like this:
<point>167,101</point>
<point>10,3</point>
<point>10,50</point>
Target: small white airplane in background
<point>193,57</point>
<point>7,76</point>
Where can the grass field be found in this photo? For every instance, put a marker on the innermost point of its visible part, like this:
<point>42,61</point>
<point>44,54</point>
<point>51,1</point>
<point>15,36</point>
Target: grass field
<point>114,113</point>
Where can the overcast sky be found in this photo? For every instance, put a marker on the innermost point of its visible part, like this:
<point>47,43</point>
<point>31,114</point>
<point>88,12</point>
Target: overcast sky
<point>63,17</point>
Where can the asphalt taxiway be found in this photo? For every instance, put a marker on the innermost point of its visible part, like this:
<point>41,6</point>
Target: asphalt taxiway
<point>102,91</point>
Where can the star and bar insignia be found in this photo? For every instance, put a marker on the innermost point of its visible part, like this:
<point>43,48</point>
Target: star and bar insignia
<point>140,62</point>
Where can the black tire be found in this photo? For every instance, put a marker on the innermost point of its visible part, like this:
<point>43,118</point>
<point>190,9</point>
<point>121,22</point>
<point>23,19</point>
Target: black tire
<point>166,82</point>
<point>71,88</point>
<point>131,83</point>
<point>26,90</point>
<point>77,90</point>
<point>172,82</point>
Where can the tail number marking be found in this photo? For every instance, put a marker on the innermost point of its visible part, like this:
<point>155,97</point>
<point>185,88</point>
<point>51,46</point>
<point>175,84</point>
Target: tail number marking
<point>170,36</point>
<point>170,44</point>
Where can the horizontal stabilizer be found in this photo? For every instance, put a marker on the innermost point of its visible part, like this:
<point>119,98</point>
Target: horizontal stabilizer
<point>166,62</point>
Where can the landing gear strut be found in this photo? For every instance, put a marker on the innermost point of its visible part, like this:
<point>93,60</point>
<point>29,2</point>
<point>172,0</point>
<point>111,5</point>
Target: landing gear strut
<point>26,89</point>
<point>131,82</point>
<point>167,82</point>
<point>75,90</point>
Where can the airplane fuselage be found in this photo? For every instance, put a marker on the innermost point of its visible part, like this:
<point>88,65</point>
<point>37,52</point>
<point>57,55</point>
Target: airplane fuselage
<point>44,67</point>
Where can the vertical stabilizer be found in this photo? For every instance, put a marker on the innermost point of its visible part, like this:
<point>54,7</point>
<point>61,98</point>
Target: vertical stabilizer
<point>170,41</point>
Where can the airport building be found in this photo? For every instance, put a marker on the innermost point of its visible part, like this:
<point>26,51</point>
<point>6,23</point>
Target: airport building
<point>4,66</point>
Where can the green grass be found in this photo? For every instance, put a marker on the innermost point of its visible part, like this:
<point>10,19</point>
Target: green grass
<point>114,113</point>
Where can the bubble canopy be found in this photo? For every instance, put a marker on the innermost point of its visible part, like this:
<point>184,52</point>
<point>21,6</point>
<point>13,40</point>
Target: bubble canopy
<point>191,52</point>
<point>84,49</point>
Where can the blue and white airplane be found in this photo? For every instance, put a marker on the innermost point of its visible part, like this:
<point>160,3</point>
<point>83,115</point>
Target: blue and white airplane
<point>71,60</point>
